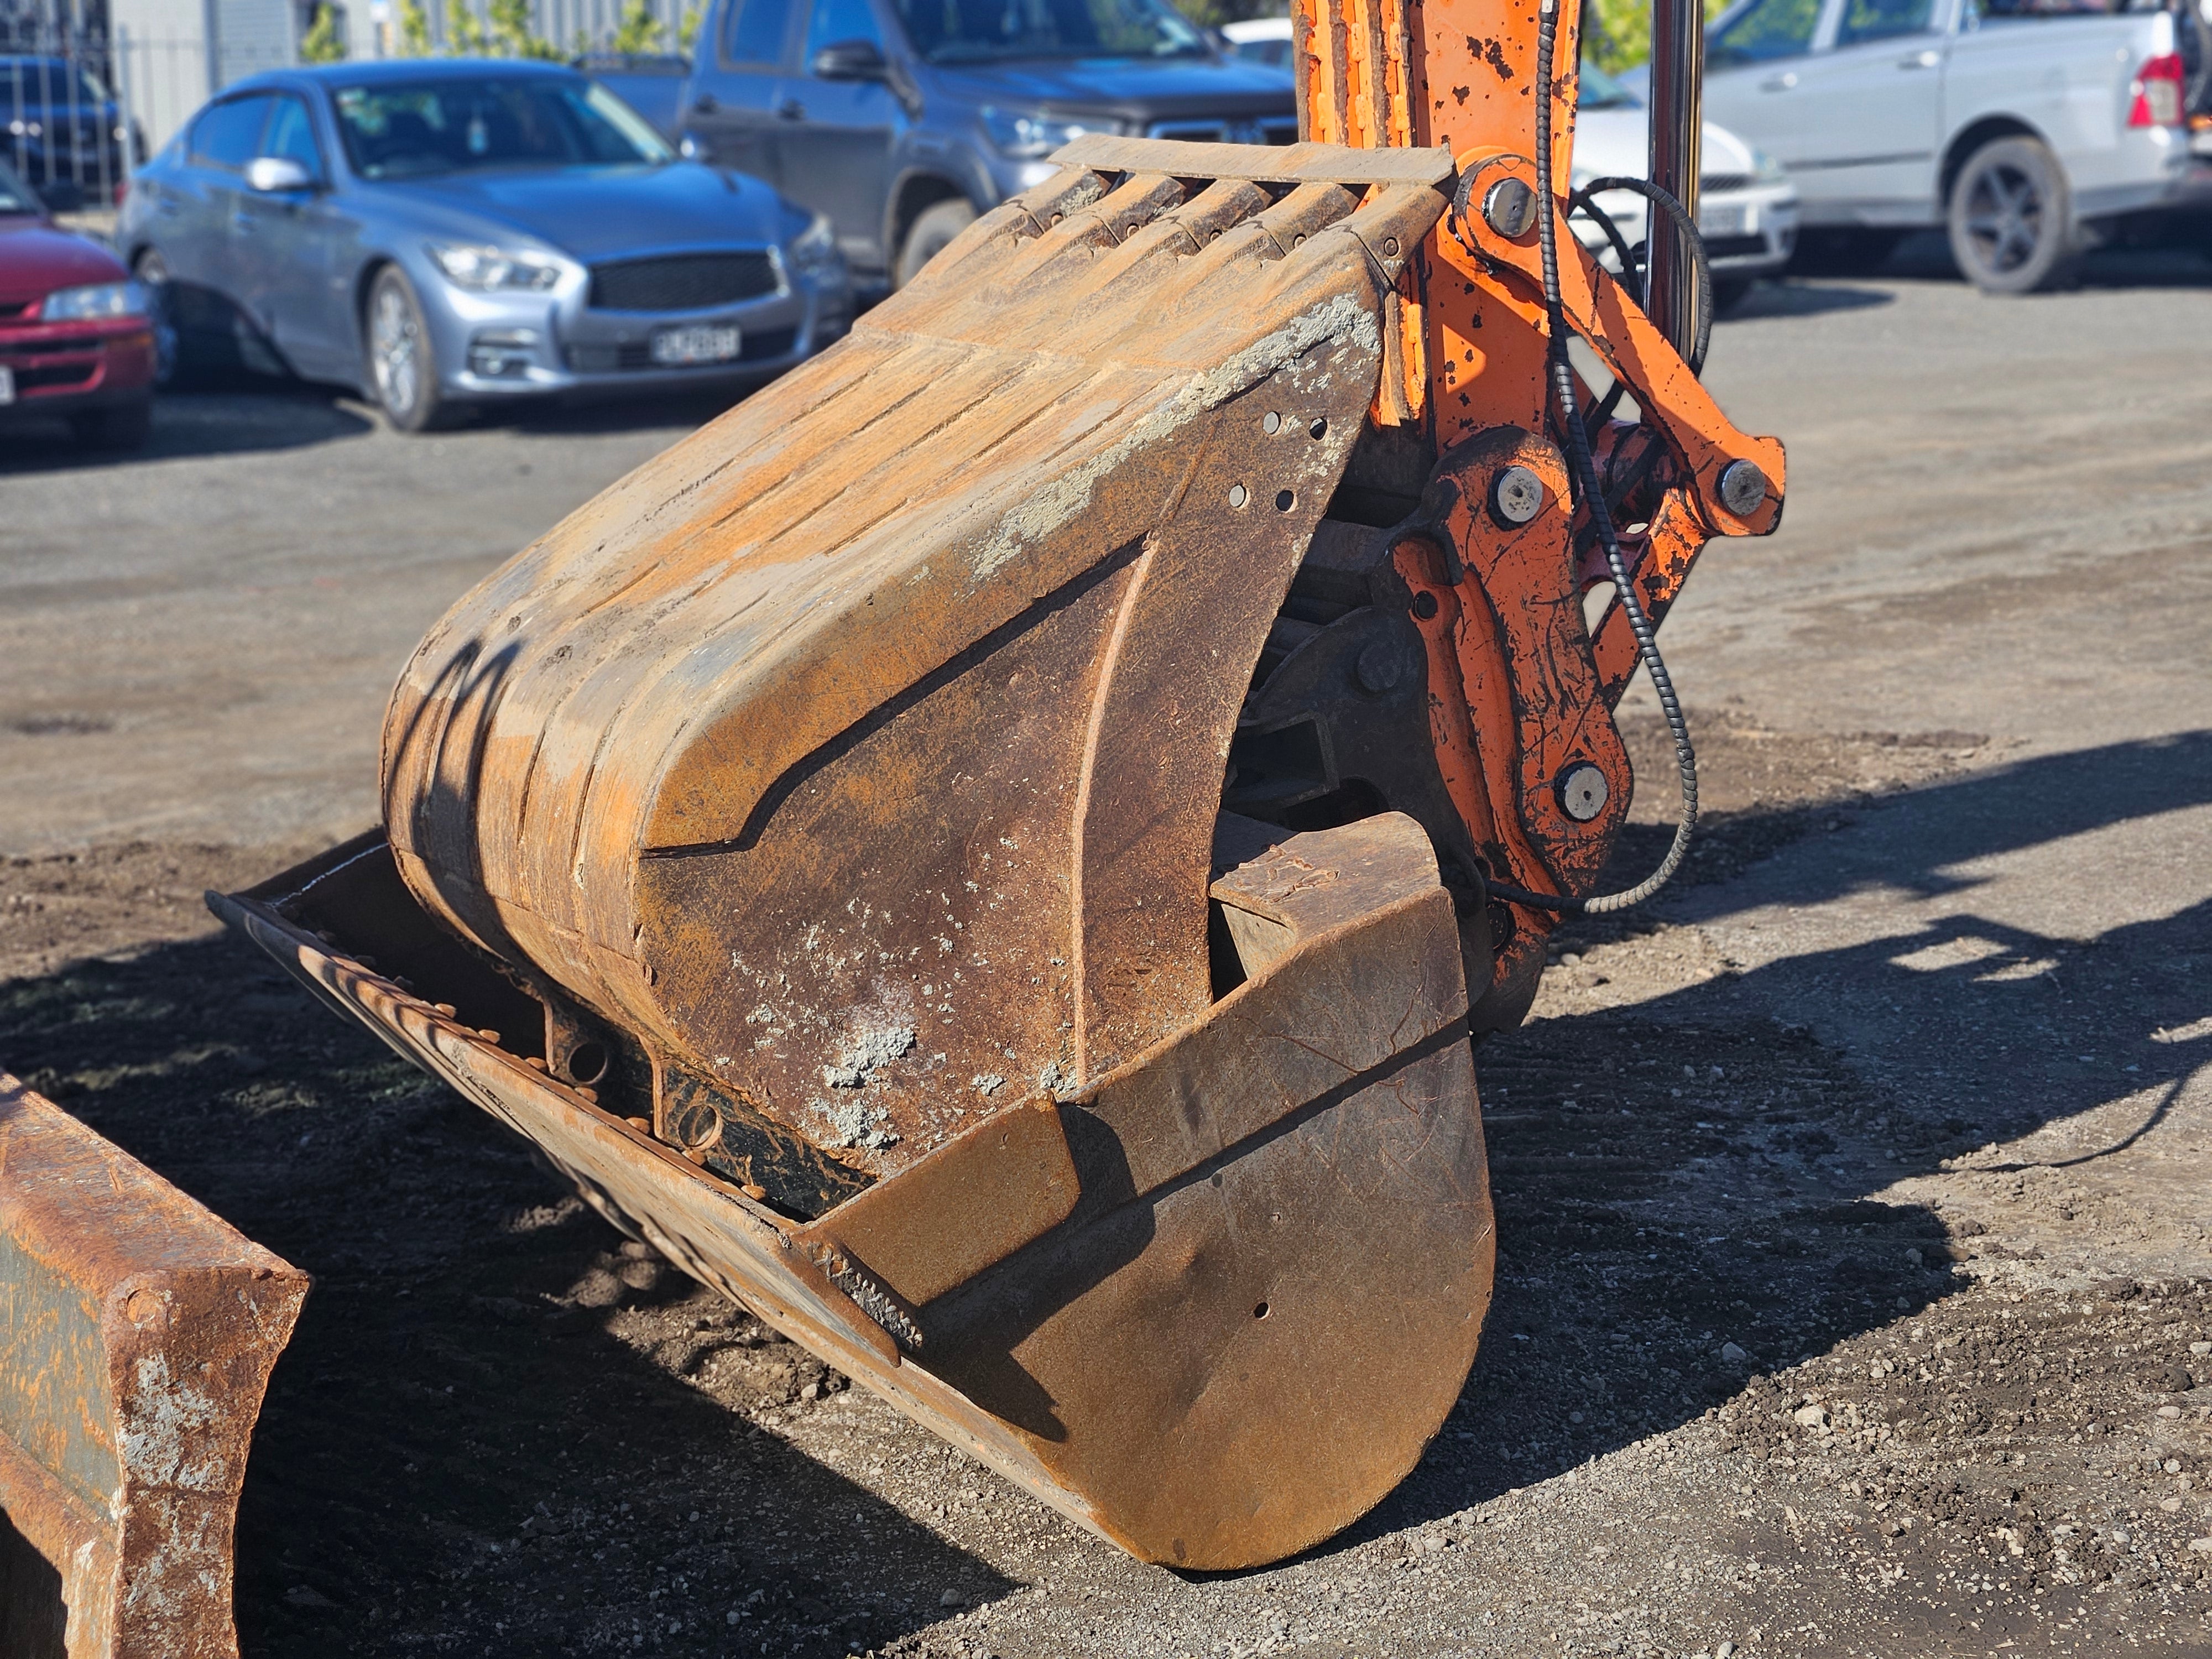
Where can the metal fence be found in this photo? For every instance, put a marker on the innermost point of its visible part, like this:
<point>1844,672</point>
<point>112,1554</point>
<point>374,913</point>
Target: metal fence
<point>91,88</point>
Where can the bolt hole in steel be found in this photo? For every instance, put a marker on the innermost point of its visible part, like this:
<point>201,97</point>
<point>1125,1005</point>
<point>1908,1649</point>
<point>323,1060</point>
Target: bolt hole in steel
<point>1389,247</point>
<point>1518,495</point>
<point>1237,497</point>
<point>1424,605</point>
<point>1510,208</point>
<point>1583,791</point>
<point>1743,487</point>
<point>1271,423</point>
<point>1286,499</point>
<point>1319,430</point>
<point>587,1063</point>
<point>1261,1311</point>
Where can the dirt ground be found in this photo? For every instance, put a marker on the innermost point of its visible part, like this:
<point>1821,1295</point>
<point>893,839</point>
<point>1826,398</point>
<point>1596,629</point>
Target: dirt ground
<point>1855,1286</point>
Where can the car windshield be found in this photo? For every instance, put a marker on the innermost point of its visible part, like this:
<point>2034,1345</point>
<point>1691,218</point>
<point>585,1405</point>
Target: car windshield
<point>971,31</point>
<point>47,84</point>
<point>414,129</point>
<point>1600,91</point>
<point>16,196</point>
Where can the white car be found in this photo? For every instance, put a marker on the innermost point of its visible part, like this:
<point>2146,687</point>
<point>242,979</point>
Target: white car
<point>1260,40</point>
<point>1746,206</point>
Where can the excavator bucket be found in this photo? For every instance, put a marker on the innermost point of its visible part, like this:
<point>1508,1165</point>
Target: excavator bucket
<point>817,846</point>
<point>136,1332</point>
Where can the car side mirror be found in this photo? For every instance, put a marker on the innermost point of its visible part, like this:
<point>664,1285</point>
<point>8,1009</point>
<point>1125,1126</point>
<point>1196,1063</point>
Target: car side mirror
<point>850,60</point>
<point>271,173</point>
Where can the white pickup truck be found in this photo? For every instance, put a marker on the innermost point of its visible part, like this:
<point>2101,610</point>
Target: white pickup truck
<point>2019,125</point>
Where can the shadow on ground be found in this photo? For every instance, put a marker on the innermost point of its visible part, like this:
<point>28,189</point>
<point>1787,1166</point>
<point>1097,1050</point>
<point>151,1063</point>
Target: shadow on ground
<point>455,1455</point>
<point>1700,1169</point>
<point>237,411</point>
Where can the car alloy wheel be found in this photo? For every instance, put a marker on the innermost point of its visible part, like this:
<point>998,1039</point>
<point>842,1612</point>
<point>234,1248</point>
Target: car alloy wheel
<point>152,272</point>
<point>402,364</point>
<point>2011,219</point>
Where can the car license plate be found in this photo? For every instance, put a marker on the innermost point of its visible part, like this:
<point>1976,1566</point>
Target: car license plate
<point>1733,220</point>
<point>7,385</point>
<point>679,347</point>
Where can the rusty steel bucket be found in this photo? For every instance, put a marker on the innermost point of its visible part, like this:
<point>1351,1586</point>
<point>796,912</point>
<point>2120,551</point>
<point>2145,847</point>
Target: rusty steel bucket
<point>816,844</point>
<point>136,1334</point>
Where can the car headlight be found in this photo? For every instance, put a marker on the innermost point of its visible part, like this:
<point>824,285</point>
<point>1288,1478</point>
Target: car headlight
<point>93,304</point>
<point>1024,138</point>
<point>483,269</point>
<point>813,252</point>
<point>1766,170</point>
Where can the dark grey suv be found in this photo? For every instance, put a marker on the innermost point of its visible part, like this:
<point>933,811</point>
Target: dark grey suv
<point>901,119</point>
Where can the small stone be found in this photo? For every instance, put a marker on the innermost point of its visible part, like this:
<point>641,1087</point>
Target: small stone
<point>1914,1256</point>
<point>732,1617</point>
<point>2171,1505</point>
<point>1812,1416</point>
<point>810,1393</point>
<point>2200,1349</point>
<point>1732,1355</point>
<point>2201,1546</point>
<point>952,1599</point>
<point>2122,1535</point>
<point>1574,1417</point>
<point>2169,1412</point>
<point>1726,1650</point>
<point>307,1595</point>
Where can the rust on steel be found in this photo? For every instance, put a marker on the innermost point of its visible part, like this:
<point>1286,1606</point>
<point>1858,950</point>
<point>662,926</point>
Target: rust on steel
<point>1131,1299</point>
<point>983,853</point>
<point>137,1334</point>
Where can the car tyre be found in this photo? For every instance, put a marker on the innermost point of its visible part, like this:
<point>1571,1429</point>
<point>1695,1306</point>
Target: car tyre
<point>124,427</point>
<point>936,226</point>
<point>152,272</point>
<point>2011,218</point>
<point>402,359</point>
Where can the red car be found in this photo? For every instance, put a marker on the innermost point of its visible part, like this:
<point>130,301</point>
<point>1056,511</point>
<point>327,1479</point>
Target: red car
<point>76,341</point>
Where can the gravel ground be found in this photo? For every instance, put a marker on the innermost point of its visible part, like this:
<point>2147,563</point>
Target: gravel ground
<point>1855,1291</point>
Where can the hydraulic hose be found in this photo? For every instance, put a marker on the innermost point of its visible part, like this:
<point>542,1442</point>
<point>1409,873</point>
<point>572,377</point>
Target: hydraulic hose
<point>1582,472</point>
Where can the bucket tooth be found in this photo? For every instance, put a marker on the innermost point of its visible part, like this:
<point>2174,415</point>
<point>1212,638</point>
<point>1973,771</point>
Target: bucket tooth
<point>137,1334</point>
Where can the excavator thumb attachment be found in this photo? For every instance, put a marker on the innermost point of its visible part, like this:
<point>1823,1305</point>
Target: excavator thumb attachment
<point>136,1334</point>
<point>816,845</point>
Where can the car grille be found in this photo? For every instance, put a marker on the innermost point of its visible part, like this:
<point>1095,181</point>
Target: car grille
<point>1734,247</point>
<point>683,281</point>
<point>635,357</point>
<point>1266,130</point>
<point>59,375</point>
<point>1712,183</point>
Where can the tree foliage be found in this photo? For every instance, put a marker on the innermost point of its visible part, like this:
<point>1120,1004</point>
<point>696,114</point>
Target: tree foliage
<point>322,43</point>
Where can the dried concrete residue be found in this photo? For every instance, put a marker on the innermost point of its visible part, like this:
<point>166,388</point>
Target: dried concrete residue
<point>871,1052</point>
<point>987,1083</point>
<point>856,1123</point>
<point>862,1062</point>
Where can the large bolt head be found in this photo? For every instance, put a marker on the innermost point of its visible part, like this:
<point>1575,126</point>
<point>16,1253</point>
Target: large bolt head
<point>1510,208</point>
<point>1743,487</point>
<point>1382,667</point>
<point>1583,791</point>
<point>1517,495</point>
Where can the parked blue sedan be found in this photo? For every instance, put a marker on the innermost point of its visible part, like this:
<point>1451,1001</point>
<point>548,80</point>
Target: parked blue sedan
<point>440,235</point>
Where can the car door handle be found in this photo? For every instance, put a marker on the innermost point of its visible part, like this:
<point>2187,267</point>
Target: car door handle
<point>791,110</point>
<point>1780,82</point>
<point>704,104</point>
<point>1920,60</point>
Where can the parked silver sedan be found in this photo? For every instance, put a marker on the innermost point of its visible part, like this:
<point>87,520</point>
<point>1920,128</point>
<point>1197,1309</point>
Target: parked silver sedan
<point>442,234</point>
